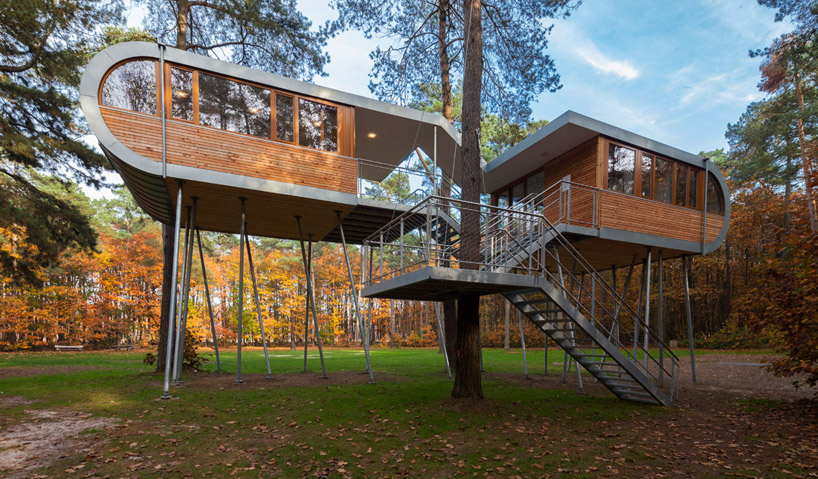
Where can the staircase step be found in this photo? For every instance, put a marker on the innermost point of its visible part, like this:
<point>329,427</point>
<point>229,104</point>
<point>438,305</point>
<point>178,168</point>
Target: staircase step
<point>531,301</point>
<point>616,378</point>
<point>653,402</point>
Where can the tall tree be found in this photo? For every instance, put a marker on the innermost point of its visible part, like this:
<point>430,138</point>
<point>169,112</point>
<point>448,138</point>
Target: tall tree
<point>270,35</point>
<point>43,46</point>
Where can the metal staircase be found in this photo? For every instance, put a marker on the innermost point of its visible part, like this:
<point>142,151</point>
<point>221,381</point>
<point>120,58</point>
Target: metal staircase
<point>566,298</point>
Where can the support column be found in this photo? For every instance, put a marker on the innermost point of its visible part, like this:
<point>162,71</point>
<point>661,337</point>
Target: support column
<point>240,335</point>
<point>685,261</point>
<point>258,305</point>
<point>646,332</point>
<point>354,293</point>
<point>638,308</point>
<point>181,332</point>
<point>172,316</point>
<point>522,343</point>
<point>660,318</point>
<point>311,295</point>
<point>209,304</point>
<point>441,339</point>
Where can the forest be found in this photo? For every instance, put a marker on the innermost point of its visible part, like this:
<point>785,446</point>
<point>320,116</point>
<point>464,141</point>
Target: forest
<point>103,286</point>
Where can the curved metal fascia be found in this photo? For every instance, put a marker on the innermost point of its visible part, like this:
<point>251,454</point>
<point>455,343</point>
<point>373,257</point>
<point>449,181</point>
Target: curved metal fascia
<point>714,245</point>
<point>89,101</point>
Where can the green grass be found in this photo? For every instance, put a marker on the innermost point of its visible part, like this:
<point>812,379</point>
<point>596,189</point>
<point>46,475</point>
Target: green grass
<point>405,425</point>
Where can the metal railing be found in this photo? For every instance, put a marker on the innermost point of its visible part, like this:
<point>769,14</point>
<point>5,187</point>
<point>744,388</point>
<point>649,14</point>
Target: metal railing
<point>401,185</point>
<point>571,203</point>
<point>522,240</point>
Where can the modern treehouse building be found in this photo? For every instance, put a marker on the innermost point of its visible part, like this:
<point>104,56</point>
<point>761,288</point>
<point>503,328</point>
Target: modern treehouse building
<point>237,150</point>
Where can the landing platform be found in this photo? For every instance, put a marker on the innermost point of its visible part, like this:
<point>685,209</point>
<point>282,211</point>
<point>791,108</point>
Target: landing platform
<point>440,284</point>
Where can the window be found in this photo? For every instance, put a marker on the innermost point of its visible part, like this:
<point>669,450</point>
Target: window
<point>132,86</point>
<point>647,176</point>
<point>181,94</point>
<point>664,180</point>
<point>621,162</point>
<point>535,184</point>
<point>285,130</point>
<point>517,193</point>
<point>234,106</point>
<point>317,125</point>
<point>715,201</point>
<point>693,189</point>
<point>681,184</point>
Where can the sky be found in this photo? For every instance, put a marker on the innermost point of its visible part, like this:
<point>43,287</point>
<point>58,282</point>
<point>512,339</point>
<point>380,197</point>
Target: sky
<point>674,71</point>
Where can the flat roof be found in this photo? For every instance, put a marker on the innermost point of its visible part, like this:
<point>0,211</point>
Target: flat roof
<point>566,132</point>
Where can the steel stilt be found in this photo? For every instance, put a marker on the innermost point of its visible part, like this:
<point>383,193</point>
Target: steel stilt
<point>183,296</point>
<point>685,261</point>
<point>172,315</point>
<point>354,294</point>
<point>258,306</point>
<point>240,336</point>
<point>311,294</point>
<point>522,343</point>
<point>209,303</point>
<point>646,331</point>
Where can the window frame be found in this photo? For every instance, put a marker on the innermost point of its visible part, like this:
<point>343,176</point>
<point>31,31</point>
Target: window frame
<point>156,81</point>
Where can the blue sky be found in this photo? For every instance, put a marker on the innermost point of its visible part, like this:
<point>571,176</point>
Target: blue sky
<point>674,71</point>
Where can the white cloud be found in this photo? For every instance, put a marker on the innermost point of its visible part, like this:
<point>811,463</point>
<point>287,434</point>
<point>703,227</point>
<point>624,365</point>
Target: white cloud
<point>722,88</point>
<point>602,63</point>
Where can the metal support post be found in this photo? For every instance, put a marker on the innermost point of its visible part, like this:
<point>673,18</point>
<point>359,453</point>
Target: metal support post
<point>545,347</point>
<point>570,333</point>
<point>660,318</point>
<point>184,289</point>
<point>646,332</point>
<point>172,316</point>
<point>441,338</point>
<point>685,261</point>
<point>209,304</point>
<point>522,343</point>
<point>240,335</point>
<point>311,294</point>
<point>638,308</point>
<point>258,305</point>
<point>354,293</point>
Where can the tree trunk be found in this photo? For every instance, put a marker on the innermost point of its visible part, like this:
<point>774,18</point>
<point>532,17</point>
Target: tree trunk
<point>467,382</point>
<point>506,342</point>
<point>167,295</point>
<point>806,165</point>
<point>450,330</point>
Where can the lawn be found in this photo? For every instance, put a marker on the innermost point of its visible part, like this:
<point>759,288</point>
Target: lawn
<point>406,425</point>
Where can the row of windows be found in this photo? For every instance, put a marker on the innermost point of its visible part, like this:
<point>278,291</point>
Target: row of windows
<point>643,174</point>
<point>218,102</point>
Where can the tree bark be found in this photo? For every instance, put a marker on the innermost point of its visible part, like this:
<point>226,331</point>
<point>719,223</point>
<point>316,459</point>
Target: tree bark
<point>806,164</point>
<point>467,383</point>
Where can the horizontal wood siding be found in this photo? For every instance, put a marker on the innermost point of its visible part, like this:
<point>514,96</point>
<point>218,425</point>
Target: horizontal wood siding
<point>215,150</point>
<point>714,225</point>
<point>580,163</point>
<point>629,213</point>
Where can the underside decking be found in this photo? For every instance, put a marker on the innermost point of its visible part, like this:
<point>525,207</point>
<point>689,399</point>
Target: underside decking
<point>439,284</point>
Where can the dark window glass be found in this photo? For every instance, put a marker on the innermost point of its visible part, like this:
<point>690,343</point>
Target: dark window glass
<point>693,189</point>
<point>715,202</point>
<point>516,193</point>
<point>284,118</point>
<point>535,184</point>
<point>621,162</point>
<point>132,86</point>
<point>681,184</point>
<point>181,94</point>
<point>317,125</point>
<point>502,200</point>
<point>647,175</point>
<point>234,106</point>
<point>664,180</point>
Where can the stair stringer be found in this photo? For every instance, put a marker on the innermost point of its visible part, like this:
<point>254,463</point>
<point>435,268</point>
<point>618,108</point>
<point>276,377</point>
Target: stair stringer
<point>597,336</point>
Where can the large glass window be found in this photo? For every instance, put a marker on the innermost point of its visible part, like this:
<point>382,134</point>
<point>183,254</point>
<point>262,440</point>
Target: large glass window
<point>647,175</point>
<point>693,189</point>
<point>681,184</point>
<point>132,86</point>
<point>284,118</point>
<point>317,125</point>
<point>664,180</point>
<point>181,94</point>
<point>715,201</point>
<point>234,106</point>
<point>621,162</point>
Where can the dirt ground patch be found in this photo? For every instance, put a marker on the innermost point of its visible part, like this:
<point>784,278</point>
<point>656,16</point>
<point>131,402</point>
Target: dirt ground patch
<point>260,381</point>
<point>38,370</point>
<point>45,437</point>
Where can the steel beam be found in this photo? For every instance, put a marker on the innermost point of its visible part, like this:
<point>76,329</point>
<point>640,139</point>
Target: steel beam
<point>172,315</point>
<point>240,335</point>
<point>209,304</point>
<point>522,343</point>
<point>311,295</point>
<point>258,305</point>
<point>183,291</point>
<point>686,272</point>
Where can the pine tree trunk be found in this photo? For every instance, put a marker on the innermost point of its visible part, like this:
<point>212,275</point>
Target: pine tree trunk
<point>467,382</point>
<point>806,164</point>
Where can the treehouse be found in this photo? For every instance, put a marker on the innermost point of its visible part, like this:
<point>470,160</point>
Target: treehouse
<point>166,117</point>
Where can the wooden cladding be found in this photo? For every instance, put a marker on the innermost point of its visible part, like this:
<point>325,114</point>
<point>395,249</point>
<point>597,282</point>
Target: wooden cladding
<point>624,212</point>
<point>216,150</point>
